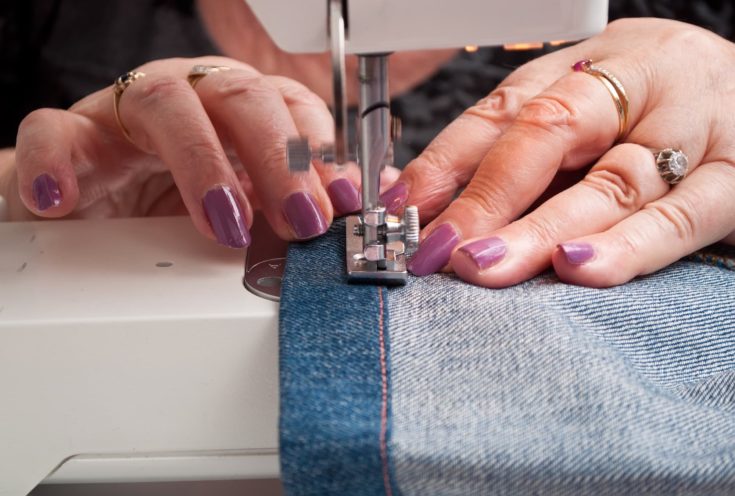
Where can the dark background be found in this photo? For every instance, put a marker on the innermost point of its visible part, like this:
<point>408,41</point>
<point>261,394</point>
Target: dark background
<point>54,52</point>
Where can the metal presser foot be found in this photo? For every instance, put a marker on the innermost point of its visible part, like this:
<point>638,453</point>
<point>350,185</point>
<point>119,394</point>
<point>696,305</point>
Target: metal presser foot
<point>383,261</point>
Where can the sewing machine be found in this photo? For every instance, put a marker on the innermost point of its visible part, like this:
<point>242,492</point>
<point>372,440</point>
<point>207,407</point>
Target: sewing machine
<point>130,349</point>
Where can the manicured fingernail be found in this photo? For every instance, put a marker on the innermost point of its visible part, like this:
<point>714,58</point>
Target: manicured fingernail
<point>46,192</point>
<point>395,198</point>
<point>485,252</point>
<point>304,215</point>
<point>344,196</point>
<point>226,217</point>
<point>577,253</point>
<point>434,252</point>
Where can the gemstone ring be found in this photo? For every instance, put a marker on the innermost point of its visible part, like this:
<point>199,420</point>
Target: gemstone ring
<point>119,86</point>
<point>672,165</point>
<point>614,87</point>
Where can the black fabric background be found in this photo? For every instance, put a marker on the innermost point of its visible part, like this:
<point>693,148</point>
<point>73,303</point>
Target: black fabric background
<point>53,52</point>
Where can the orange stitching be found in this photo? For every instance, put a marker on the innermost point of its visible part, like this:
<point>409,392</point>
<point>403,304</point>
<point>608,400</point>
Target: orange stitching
<point>384,399</point>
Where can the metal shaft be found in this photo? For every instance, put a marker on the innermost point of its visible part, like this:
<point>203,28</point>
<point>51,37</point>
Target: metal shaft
<point>375,137</point>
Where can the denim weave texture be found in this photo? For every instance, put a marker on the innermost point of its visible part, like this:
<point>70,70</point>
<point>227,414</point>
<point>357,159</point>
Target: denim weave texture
<point>542,388</point>
<point>331,379</point>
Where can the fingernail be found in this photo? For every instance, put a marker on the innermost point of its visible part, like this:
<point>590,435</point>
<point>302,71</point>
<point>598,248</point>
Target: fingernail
<point>46,192</point>
<point>395,198</point>
<point>577,253</point>
<point>485,252</point>
<point>304,215</point>
<point>226,217</point>
<point>434,251</point>
<point>344,196</point>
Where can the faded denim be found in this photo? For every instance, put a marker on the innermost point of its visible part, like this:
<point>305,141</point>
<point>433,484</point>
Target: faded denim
<point>543,388</point>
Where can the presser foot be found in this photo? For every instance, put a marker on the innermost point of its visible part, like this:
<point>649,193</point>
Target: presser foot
<point>389,271</point>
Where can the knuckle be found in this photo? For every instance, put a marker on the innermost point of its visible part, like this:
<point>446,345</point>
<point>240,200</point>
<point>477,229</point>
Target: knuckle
<point>680,219</point>
<point>500,106</point>
<point>160,89</point>
<point>32,143</point>
<point>542,231</point>
<point>678,35</point>
<point>297,94</point>
<point>624,24</point>
<point>617,185</point>
<point>242,85</point>
<point>630,243</point>
<point>550,113</point>
<point>433,184</point>
<point>37,118</point>
<point>203,152</point>
<point>484,198</point>
<point>273,156</point>
<point>434,162</point>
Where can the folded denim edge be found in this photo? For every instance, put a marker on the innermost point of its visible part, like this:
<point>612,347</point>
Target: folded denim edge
<point>334,423</point>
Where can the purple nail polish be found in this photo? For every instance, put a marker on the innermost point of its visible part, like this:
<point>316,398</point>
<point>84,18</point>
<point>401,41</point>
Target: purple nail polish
<point>485,252</point>
<point>46,192</point>
<point>304,215</point>
<point>344,196</point>
<point>577,253</point>
<point>226,217</point>
<point>434,251</point>
<point>395,198</point>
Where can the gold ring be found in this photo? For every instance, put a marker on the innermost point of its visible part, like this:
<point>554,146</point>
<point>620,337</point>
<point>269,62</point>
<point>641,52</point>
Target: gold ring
<point>120,86</point>
<point>199,71</point>
<point>614,87</point>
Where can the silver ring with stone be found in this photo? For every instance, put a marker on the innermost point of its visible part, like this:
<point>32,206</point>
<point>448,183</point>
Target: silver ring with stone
<point>672,165</point>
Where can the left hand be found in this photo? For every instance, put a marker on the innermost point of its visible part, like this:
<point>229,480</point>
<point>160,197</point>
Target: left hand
<point>621,220</point>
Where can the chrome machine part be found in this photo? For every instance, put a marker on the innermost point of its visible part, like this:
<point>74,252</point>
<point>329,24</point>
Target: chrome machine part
<point>377,243</point>
<point>337,30</point>
<point>265,260</point>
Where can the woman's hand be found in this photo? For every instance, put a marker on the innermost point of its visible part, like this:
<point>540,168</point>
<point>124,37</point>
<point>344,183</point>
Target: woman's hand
<point>545,123</point>
<point>216,151</point>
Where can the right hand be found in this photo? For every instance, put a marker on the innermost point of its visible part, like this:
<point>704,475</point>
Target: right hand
<point>217,151</point>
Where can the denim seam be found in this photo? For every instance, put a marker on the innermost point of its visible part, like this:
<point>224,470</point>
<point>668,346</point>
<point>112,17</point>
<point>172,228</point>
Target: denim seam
<point>713,259</point>
<point>384,395</point>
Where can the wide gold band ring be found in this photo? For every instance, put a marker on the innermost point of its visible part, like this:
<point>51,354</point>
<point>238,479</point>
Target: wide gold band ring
<point>199,71</point>
<point>120,86</point>
<point>614,87</point>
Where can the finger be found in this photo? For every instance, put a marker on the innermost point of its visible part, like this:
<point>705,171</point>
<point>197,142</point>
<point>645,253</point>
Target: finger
<point>696,213</point>
<point>259,124</point>
<point>621,182</point>
<point>431,181</point>
<point>389,176</point>
<point>47,139</point>
<point>164,115</point>
<point>561,128</point>
<point>314,121</point>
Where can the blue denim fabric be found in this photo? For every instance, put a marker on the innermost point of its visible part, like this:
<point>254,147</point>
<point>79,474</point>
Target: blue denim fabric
<point>542,388</point>
<point>330,374</point>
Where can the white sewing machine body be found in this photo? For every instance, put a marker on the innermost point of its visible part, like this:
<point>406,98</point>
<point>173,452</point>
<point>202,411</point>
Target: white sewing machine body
<point>115,366</point>
<point>115,369</point>
<point>379,26</point>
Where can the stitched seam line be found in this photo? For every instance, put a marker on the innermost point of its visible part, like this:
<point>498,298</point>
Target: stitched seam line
<point>384,396</point>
